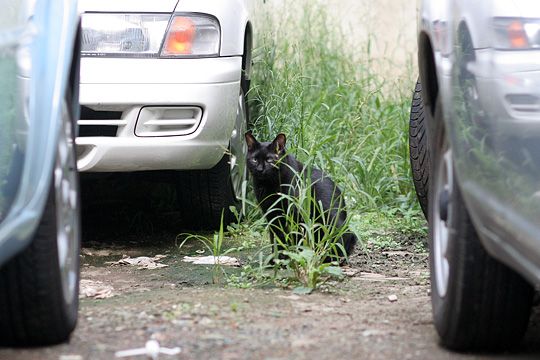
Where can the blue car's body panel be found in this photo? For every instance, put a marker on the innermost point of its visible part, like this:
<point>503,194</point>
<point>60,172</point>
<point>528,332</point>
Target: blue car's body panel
<point>36,52</point>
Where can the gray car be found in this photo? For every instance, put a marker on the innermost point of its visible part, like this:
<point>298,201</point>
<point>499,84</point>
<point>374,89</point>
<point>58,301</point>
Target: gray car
<point>475,154</point>
<point>39,194</point>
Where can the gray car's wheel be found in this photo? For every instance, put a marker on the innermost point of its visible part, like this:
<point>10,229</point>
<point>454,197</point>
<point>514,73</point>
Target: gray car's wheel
<point>205,194</point>
<point>478,303</point>
<point>418,148</point>
<point>39,287</point>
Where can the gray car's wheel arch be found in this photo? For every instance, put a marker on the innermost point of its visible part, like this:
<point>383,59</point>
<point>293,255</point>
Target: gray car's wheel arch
<point>428,74</point>
<point>247,58</point>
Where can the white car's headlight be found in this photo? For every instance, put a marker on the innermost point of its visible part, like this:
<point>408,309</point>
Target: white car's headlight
<point>516,33</point>
<point>149,35</point>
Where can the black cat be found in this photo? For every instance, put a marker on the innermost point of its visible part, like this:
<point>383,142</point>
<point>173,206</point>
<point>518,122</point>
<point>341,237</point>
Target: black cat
<point>275,172</point>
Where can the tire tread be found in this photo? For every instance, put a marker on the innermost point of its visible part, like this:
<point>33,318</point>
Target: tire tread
<point>418,149</point>
<point>204,194</point>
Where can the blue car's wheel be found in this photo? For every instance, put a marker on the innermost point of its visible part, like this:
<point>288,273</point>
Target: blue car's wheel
<point>39,287</point>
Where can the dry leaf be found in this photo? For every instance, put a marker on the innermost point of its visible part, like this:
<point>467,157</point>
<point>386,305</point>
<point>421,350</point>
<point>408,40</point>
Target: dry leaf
<point>95,289</point>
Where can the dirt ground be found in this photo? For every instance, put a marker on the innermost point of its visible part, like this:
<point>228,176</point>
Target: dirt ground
<point>179,306</point>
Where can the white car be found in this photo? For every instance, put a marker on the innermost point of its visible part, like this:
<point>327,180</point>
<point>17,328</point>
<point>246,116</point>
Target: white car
<point>163,87</point>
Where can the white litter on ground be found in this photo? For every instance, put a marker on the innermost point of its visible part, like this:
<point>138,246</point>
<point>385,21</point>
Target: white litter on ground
<point>142,262</point>
<point>212,260</point>
<point>151,350</point>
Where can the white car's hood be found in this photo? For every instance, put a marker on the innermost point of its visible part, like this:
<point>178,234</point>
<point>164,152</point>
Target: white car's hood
<point>127,5</point>
<point>527,8</point>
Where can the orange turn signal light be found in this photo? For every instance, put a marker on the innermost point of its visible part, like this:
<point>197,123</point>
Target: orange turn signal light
<point>180,37</point>
<point>517,36</point>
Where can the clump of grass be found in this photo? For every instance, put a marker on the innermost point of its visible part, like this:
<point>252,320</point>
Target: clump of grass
<point>310,246</point>
<point>215,246</point>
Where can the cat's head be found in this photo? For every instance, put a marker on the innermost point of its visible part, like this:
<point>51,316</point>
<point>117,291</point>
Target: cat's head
<point>263,157</point>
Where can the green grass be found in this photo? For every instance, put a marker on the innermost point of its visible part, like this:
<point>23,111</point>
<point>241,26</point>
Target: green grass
<point>308,84</point>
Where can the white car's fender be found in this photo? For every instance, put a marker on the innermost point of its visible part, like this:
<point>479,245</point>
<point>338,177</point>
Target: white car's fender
<point>233,20</point>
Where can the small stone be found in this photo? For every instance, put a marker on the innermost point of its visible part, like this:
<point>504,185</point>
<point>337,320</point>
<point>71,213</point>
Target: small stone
<point>303,343</point>
<point>371,332</point>
<point>392,298</point>
<point>205,321</point>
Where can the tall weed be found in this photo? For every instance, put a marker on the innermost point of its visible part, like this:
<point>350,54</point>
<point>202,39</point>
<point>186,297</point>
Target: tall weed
<point>308,84</point>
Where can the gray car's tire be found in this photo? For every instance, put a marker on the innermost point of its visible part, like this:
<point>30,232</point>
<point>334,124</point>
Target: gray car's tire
<point>39,287</point>
<point>478,303</point>
<point>418,148</point>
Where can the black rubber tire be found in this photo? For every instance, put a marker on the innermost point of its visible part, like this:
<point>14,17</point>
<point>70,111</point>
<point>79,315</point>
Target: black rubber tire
<point>418,148</point>
<point>33,310</point>
<point>203,195</point>
<point>487,305</point>
<point>32,307</point>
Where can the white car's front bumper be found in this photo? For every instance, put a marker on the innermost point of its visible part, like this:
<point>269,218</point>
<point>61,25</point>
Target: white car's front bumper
<point>168,113</point>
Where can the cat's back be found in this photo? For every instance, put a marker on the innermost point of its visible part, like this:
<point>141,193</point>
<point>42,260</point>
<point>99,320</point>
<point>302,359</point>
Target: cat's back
<point>326,190</point>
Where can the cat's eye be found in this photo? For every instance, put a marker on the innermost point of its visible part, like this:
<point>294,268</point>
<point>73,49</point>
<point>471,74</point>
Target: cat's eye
<point>255,161</point>
<point>269,160</point>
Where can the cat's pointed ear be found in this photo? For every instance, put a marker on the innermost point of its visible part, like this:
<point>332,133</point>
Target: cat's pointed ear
<point>279,143</point>
<point>251,141</point>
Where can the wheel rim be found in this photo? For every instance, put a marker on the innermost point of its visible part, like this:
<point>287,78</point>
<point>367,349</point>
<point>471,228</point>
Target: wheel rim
<point>67,202</point>
<point>442,219</point>
<point>239,148</point>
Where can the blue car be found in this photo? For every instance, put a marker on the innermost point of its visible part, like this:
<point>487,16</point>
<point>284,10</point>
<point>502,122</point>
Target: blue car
<point>39,191</point>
